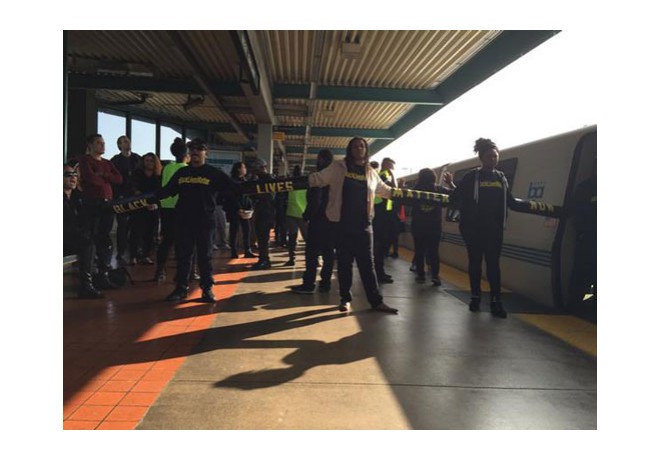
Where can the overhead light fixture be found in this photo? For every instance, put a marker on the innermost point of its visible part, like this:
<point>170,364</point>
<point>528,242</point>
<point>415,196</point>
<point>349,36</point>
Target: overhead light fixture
<point>123,69</point>
<point>351,48</point>
<point>328,111</point>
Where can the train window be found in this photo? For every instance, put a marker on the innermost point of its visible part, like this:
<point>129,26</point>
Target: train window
<point>508,167</point>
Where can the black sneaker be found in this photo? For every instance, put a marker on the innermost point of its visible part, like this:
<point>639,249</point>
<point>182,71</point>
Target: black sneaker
<point>250,255</point>
<point>474,303</point>
<point>413,268</point>
<point>302,289</point>
<point>384,279</point>
<point>385,309</point>
<point>344,306</point>
<point>207,295</point>
<point>290,263</point>
<point>101,281</point>
<point>261,265</point>
<point>420,279</point>
<point>179,293</point>
<point>88,291</point>
<point>324,288</point>
<point>436,281</point>
<point>496,309</point>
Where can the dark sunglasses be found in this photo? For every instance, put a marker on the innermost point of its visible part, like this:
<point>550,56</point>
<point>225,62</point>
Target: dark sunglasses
<point>70,174</point>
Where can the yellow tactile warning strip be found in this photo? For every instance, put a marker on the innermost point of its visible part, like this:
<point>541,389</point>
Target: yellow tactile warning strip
<point>574,331</point>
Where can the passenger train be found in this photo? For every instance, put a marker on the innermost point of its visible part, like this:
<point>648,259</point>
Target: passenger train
<point>537,253</point>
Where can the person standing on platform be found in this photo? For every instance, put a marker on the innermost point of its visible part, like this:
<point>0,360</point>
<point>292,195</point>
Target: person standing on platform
<point>146,179</point>
<point>264,215</point>
<point>400,211</point>
<point>239,214</point>
<point>76,236</point>
<point>126,162</point>
<point>386,223</point>
<point>320,240</point>
<point>168,207</point>
<point>353,185</point>
<point>99,176</point>
<point>483,197</point>
<point>296,203</point>
<point>426,228</point>
<point>197,186</point>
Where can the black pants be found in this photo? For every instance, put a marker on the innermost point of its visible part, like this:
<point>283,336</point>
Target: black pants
<point>427,243</point>
<point>262,224</point>
<point>483,242</point>
<point>167,236</point>
<point>385,228</point>
<point>83,248</point>
<point>293,224</point>
<point>143,229</point>
<point>99,222</point>
<point>234,223</point>
<point>123,233</point>
<point>320,241</point>
<point>191,236</point>
<point>356,246</point>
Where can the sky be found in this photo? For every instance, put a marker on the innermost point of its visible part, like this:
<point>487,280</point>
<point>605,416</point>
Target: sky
<point>547,91</point>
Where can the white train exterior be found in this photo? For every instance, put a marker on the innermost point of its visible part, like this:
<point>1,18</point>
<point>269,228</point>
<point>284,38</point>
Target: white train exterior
<point>537,253</point>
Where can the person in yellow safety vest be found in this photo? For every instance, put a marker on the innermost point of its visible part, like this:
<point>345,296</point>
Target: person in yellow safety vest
<point>385,223</point>
<point>167,207</point>
<point>295,207</point>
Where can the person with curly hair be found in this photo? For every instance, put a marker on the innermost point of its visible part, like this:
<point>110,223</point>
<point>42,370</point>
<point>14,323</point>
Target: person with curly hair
<point>483,197</point>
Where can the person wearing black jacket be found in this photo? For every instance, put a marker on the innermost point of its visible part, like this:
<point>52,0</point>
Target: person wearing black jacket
<point>126,162</point>
<point>197,186</point>
<point>482,197</point>
<point>319,234</point>
<point>264,215</point>
<point>233,212</point>
<point>426,228</point>
<point>77,239</point>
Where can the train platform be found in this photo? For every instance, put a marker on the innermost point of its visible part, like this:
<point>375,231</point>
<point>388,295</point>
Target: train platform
<point>265,358</point>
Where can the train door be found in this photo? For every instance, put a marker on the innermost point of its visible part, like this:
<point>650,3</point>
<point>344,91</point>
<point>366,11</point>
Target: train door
<point>564,246</point>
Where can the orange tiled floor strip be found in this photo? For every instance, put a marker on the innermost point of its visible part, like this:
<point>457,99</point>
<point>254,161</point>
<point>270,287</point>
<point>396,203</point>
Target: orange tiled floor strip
<point>117,360</point>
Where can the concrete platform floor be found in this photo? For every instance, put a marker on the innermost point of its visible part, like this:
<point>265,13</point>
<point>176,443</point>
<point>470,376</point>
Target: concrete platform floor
<point>272,359</point>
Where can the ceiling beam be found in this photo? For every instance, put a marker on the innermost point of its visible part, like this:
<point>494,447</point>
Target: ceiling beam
<point>189,56</point>
<point>153,85</point>
<point>347,93</point>
<point>315,150</point>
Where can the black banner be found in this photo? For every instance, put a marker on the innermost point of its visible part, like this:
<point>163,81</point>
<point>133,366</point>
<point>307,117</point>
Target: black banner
<point>132,203</point>
<point>402,195</point>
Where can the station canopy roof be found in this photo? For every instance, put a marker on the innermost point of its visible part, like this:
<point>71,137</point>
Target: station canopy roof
<point>317,88</point>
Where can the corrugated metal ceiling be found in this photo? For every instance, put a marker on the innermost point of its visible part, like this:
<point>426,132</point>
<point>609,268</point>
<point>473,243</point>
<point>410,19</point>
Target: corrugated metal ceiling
<point>173,66</point>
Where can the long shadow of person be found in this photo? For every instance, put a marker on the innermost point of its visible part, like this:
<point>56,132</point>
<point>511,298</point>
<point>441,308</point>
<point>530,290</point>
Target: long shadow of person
<point>309,354</point>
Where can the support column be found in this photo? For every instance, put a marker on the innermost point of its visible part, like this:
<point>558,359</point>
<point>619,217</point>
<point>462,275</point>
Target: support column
<point>82,120</point>
<point>265,145</point>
